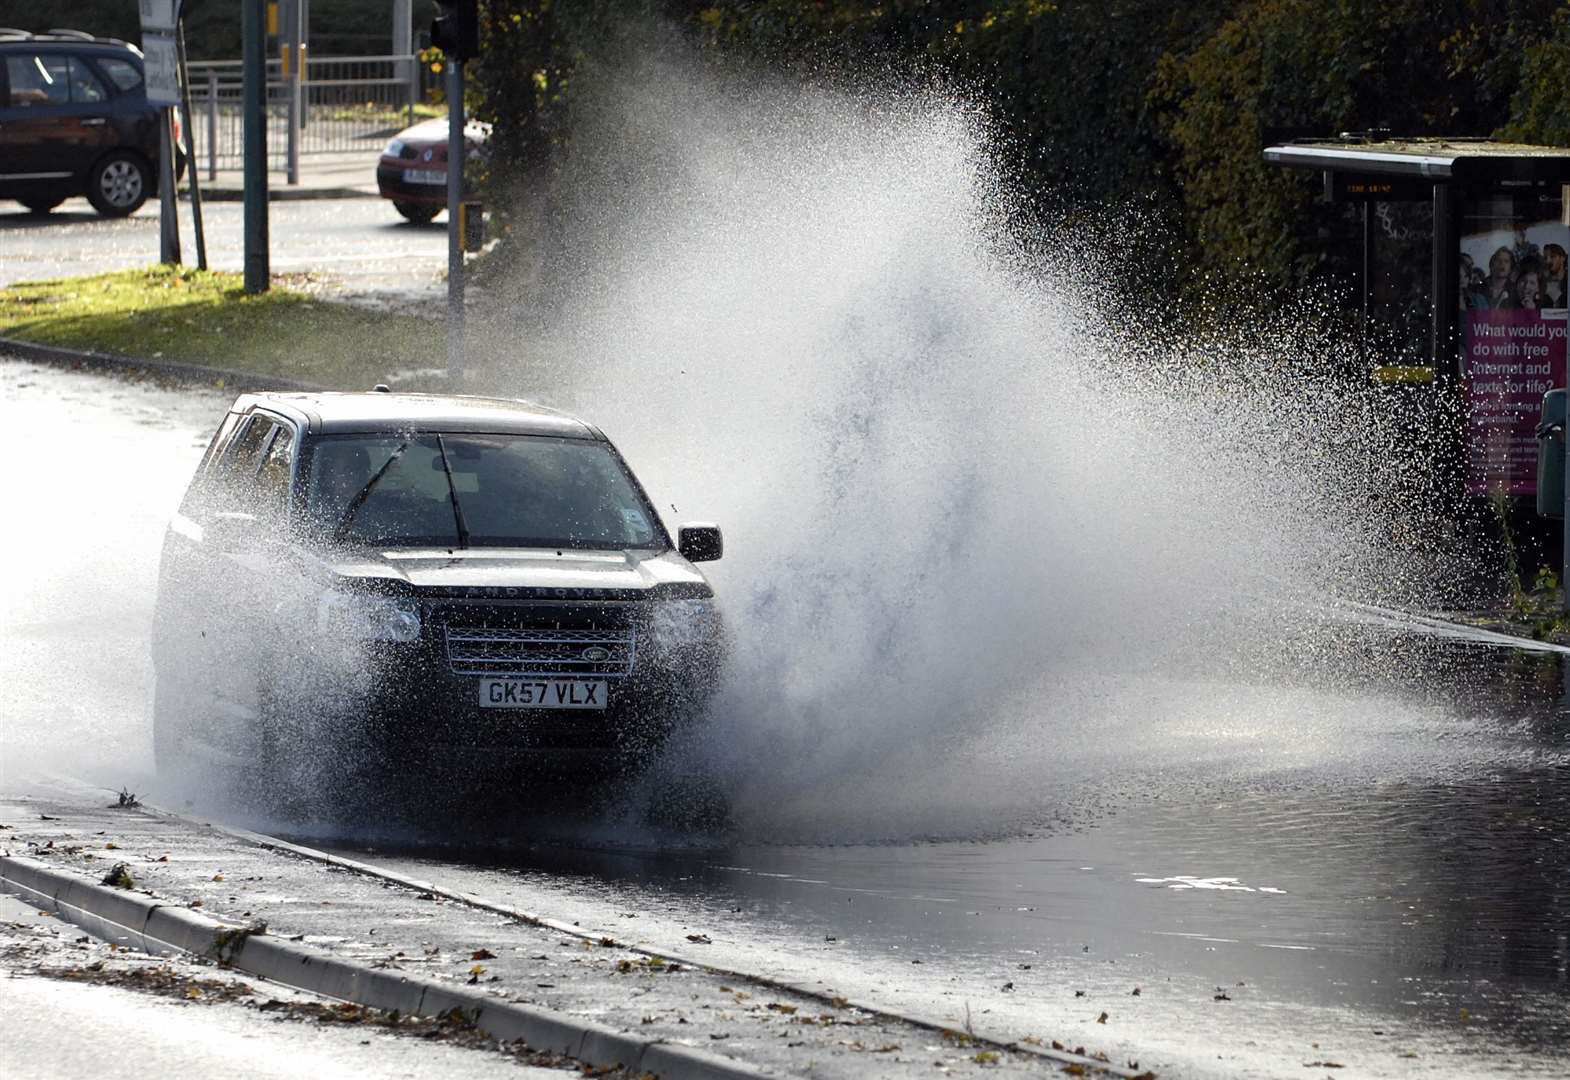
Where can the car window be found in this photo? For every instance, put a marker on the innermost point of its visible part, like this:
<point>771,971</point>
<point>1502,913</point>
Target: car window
<point>191,504</point>
<point>86,87</point>
<point>38,79</point>
<point>272,479</point>
<point>513,490</point>
<point>244,456</point>
<point>52,79</point>
<point>124,74</point>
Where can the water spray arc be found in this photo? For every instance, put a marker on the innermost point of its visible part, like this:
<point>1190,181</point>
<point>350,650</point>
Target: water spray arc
<point>983,524</point>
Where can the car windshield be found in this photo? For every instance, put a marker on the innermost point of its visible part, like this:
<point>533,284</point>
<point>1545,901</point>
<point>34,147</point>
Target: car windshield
<point>506,491</point>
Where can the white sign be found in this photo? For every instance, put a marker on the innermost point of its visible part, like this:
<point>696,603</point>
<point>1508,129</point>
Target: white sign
<point>158,14</point>
<point>161,69</point>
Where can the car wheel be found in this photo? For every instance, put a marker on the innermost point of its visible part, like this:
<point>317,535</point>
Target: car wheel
<point>40,206</point>
<point>119,184</point>
<point>419,213</point>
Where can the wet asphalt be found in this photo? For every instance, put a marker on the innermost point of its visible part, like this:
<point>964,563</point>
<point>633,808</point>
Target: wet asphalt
<point>1390,894</point>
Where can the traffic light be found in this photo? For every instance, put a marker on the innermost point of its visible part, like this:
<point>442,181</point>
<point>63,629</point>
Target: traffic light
<point>456,28</point>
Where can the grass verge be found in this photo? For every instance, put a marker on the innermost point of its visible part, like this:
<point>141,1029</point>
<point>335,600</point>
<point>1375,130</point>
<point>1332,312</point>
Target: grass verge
<point>177,313</point>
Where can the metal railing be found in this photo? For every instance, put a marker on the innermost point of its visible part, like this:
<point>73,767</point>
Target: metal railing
<point>344,103</point>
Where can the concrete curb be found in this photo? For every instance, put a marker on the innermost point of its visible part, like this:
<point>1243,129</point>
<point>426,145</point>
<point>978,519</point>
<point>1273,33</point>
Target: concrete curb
<point>942,1027</point>
<point>283,194</point>
<point>139,920</point>
<point>172,370</point>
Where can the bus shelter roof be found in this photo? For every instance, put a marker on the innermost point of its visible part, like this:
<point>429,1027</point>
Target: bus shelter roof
<point>1474,161</point>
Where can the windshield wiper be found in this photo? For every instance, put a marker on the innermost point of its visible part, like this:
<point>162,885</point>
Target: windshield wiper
<point>364,493</point>
<point>452,489</point>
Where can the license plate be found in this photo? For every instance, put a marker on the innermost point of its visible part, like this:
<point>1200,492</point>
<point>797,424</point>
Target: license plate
<point>423,176</point>
<point>542,693</point>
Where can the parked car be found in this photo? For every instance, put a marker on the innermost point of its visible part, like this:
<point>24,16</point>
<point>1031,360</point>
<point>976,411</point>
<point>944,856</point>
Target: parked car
<point>412,171</point>
<point>415,582</point>
<point>74,120</point>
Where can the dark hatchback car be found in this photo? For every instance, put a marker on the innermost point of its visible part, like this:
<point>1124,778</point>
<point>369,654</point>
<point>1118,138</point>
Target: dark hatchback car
<point>423,585</point>
<point>74,120</point>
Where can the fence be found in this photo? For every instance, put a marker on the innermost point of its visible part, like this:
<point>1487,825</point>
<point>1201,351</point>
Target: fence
<point>345,104</point>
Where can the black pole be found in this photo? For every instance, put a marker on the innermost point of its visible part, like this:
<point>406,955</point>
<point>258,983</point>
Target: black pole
<point>168,211</point>
<point>190,149</point>
<point>457,156</point>
<point>257,270</point>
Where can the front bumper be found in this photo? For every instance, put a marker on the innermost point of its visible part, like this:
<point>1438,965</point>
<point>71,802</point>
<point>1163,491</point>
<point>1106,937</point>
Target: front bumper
<point>392,185</point>
<point>416,708</point>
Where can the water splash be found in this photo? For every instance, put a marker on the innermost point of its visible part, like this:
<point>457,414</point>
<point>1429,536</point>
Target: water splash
<point>983,519</point>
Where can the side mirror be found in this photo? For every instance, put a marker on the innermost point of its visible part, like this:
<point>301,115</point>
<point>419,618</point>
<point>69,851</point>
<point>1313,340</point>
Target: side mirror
<point>231,530</point>
<point>700,542</point>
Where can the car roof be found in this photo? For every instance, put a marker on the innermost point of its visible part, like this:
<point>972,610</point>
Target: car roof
<point>75,40</point>
<point>331,412</point>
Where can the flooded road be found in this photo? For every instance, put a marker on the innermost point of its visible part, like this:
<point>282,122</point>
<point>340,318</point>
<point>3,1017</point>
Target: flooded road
<point>1389,892</point>
<point>1421,922</point>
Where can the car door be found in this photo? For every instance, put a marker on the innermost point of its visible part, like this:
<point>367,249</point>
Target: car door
<point>54,122</point>
<point>230,552</point>
<point>251,557</point>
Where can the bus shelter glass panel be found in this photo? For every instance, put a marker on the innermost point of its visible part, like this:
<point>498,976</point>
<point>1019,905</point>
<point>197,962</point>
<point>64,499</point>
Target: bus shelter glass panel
<point>1399,293</point>
<point>1513,317</point>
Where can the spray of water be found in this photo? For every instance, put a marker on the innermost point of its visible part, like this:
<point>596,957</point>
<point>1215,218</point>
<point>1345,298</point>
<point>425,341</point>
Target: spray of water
<point>984,524</point>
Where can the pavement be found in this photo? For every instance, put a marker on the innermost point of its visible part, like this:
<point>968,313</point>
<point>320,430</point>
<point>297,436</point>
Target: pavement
<point>321,176</point>
<point>183,1016</point>
<point>604,982</point>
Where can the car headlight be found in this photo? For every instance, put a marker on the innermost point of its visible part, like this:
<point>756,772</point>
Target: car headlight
<point>368,618</point>
<point>684,623</point>
<point>394,148</point>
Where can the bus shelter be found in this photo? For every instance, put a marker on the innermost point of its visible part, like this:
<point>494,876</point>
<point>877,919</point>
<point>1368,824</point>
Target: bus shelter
<point>1462,278</point>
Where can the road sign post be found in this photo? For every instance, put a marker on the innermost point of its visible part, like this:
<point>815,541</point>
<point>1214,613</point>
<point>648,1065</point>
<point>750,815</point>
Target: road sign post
<point>161,77</point>
<point>190,152</point>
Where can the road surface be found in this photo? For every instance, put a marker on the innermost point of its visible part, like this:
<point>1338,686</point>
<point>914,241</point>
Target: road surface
<point>1375,877</point>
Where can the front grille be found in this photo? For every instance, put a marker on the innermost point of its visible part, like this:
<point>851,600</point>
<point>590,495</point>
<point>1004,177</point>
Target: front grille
<point>489,650</point>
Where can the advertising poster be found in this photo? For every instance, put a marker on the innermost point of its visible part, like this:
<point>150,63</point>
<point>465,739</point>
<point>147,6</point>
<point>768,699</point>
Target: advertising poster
<point>1514,319</point>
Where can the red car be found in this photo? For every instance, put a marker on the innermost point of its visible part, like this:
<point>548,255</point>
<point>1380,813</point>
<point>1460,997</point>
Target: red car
<point>413,168</point>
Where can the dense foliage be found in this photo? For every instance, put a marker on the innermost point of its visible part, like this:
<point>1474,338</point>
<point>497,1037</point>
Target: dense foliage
<point>1132,103</point>
<point>212,27</point>
<point>1099,103</point>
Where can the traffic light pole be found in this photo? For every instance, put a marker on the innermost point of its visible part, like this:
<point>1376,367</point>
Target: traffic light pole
<point>254,37</point>
<point>457,156</point>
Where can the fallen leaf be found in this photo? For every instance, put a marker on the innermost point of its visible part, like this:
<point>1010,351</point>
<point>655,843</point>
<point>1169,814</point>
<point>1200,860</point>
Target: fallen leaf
<point>700,939</point>
<point>483,954</point>
<point>1102,1019</point>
